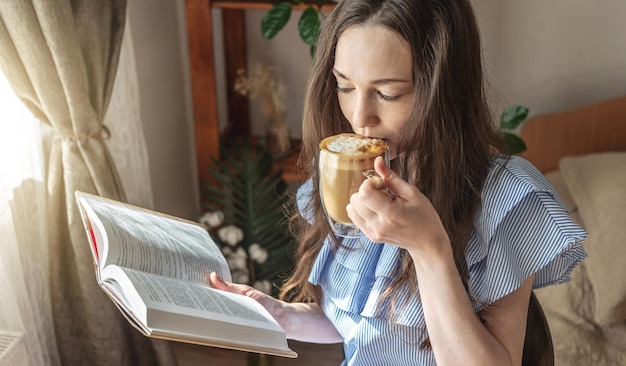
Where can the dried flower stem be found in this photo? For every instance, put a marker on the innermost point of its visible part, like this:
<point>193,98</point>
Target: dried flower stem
<point>264,87</point>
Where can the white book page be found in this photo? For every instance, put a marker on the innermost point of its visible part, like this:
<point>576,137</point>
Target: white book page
<point>143,290</point>
<point>154,243</point>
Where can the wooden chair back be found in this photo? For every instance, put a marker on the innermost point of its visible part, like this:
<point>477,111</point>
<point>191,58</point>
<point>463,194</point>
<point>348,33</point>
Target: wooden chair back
<point>538,347</point>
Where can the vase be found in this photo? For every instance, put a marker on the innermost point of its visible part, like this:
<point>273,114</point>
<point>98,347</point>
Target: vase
<point>260,359</point>
<point>278,141</point>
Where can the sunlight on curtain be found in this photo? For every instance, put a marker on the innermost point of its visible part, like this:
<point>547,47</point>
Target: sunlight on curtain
<point>26,330</point>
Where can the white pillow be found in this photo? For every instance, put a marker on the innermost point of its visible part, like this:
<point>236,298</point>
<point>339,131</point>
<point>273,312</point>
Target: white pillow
<point>597,183</point>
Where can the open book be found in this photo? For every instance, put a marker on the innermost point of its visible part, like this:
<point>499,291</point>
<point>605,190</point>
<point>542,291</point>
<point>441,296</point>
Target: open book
<point>154,267</point>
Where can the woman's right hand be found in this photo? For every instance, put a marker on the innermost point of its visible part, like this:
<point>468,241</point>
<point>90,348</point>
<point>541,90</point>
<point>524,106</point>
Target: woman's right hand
<point>407,220</point>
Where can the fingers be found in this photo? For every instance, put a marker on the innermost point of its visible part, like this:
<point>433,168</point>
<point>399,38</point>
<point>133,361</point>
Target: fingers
<point>394,183</point>
<point>380,167</point>
<point>217,283</point>
<point>376,179</point>
<point>249,291</point>
<point>378,183</point>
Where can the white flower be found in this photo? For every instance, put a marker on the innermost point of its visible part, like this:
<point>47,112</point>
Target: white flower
<point>230,234</point>
<point>264,286</point>
<point>257,253</point>
<point>241,276</point>
<point>212,219</point>
<point>227,251</point>
<point>238,260</point>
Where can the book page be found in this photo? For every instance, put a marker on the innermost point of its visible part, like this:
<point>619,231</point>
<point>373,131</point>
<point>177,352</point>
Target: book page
<point>151,242</point>
<point>167,305</point>
<point>191,298</point>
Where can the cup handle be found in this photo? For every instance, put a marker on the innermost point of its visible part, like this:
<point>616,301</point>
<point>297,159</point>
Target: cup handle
<point>378,182</point>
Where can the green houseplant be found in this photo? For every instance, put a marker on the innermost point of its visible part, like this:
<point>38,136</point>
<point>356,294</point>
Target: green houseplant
<point>308,25</point>
<point>245,213</point>
<point>510,119</point>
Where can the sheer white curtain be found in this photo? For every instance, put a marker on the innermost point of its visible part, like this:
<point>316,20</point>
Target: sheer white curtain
<point>26,331</point>
<point>123,118</point>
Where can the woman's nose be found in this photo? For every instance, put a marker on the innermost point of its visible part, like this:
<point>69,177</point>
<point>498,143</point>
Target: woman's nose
<point>364,113</point>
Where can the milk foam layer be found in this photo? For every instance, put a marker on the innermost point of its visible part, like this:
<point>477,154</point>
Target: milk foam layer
<point>356,145</point>
<point>348,151</point>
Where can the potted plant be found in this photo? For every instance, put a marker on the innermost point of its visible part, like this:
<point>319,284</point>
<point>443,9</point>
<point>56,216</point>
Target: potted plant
<point>245,213</point>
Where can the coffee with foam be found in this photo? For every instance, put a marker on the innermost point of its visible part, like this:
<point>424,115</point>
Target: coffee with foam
<point>354,145</point>
<point>343,158</point>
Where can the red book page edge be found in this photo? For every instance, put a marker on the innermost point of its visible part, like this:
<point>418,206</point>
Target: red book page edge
<point>92,236</point>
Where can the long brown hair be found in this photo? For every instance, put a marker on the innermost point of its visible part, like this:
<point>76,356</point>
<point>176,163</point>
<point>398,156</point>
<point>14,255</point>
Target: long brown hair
<point>447,145</point>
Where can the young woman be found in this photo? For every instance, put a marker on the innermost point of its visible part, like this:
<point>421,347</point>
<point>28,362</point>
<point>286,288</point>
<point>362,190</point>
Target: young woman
<point>442,273</point>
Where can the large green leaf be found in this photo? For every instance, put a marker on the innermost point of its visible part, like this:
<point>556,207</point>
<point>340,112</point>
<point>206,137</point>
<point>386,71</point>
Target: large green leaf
<point>514,143</point>
<point>309,26</point>
<point>513,116</point>
<point>275,19</point>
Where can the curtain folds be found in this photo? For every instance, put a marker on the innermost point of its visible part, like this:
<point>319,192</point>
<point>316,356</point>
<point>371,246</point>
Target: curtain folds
<point>60,58</point>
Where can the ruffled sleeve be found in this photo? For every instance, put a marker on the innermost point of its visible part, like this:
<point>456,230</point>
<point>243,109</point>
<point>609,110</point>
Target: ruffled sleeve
<point>522,228</point>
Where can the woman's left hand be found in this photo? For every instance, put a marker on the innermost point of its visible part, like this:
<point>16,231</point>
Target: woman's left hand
<point>408,220</point>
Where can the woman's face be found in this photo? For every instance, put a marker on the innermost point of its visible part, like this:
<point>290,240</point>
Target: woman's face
<point>375,87</point>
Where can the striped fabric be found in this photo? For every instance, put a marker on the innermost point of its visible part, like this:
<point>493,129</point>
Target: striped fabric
<point>522,228</point>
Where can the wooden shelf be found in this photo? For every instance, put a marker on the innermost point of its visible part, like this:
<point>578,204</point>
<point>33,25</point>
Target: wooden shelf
<point>203,78</point>
<point>257,4</point>
<point>288,164</point>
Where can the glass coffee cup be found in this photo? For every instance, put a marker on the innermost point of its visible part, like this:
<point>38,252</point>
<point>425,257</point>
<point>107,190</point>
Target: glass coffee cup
<point>343,159</point>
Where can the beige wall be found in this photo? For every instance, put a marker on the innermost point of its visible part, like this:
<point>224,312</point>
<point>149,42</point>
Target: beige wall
<point>159,37</point>
<point>546,54</point>
<point>552,55</point>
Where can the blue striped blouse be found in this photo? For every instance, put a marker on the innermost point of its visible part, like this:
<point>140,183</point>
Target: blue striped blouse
<point>522,228</point>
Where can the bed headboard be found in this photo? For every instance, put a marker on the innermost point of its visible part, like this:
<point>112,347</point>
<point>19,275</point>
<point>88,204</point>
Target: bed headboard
<point>598,127</point>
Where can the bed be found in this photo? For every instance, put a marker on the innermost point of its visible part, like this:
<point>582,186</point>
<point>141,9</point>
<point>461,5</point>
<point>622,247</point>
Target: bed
<point>582,152</point>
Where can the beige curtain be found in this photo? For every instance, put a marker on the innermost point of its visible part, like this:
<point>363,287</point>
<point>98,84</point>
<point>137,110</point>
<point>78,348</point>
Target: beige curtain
<point>60,57</point>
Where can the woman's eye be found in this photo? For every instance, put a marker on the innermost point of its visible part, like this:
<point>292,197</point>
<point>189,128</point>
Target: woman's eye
<point>389,98</point>
<point>342,90</point>
<point>384,97</point>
